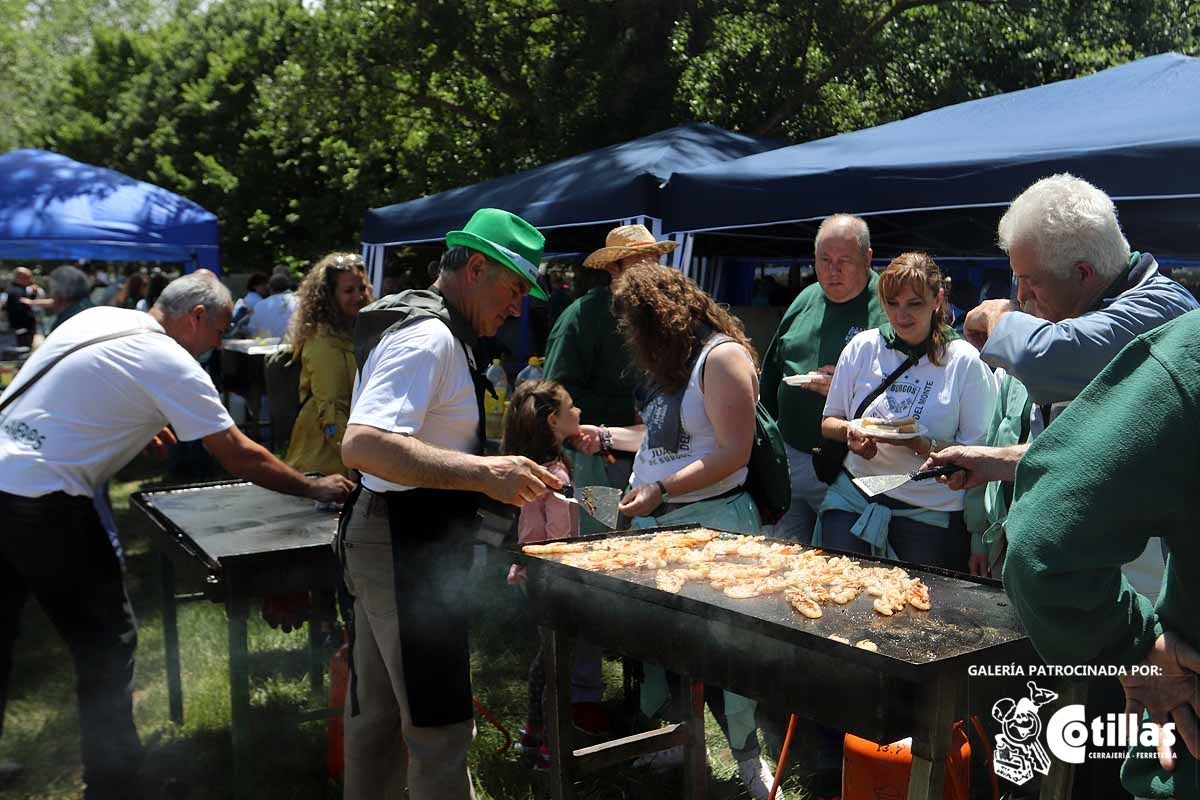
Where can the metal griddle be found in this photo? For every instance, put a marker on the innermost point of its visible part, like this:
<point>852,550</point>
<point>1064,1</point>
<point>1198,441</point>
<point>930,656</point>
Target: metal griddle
<point>970,618</point>
<point>227,521</point>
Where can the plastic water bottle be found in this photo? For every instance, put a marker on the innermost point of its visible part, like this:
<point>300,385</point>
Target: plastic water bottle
<point>493,407</point>
<point>531,372</point>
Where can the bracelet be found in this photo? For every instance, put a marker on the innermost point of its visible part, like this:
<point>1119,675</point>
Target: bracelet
<point>662,490</point>
<point>606,439</point>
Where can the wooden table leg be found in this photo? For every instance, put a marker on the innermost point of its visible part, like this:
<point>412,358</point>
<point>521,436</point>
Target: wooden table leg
<point>322,601</point>
<point>1056,785</point>
<point>556,709</point>
<point>931,741</point>
<point>237,610</point>
<point>170,621</point>
<point>695,752</point>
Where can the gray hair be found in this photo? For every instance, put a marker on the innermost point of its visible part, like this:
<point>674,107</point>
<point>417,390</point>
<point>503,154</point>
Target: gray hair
<point>1067,221</point>
<point>856,226</point>
<point>456,258</point>
<point>184,294</point>
<point>69,284</point>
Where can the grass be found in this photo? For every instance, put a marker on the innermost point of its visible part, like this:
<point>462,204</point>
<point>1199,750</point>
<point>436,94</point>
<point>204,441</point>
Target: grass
<point>41,728</point>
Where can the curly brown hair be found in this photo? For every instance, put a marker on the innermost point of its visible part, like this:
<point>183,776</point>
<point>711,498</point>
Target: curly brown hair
<point>661,313</point>
<point>316,307</point>
<point>527,422</point>
<point>919,272</point>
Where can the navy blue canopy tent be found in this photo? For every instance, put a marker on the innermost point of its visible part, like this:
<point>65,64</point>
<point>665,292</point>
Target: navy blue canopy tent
<point>610,186</point>
<point>55,208</point>
<point>1133,130</point>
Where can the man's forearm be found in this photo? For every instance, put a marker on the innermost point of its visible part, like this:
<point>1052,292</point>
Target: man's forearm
<point>253,462</point>
<point>407,461</point>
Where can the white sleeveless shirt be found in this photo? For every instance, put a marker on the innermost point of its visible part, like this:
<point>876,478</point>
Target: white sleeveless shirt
<point>698,438</point>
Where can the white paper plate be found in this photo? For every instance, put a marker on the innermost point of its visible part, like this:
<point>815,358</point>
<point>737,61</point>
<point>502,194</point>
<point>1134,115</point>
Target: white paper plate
<point>875,433</point>
<point>805,379</point>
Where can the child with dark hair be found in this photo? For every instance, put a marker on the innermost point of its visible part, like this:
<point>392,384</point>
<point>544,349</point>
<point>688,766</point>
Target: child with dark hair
<point>541,416</point>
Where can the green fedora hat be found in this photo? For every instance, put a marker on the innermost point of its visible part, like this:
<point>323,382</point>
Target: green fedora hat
<point>505,238</point>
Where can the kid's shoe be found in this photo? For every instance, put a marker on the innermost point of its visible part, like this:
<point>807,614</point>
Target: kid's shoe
<point>531,738</point>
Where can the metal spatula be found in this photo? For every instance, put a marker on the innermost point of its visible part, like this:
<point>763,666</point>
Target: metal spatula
<point>598,502</point>
<point>872,485</point>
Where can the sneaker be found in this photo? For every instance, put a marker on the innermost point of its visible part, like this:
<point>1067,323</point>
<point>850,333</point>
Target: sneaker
<point>531,738</point>
<point>662,760</point>
<point>590,718</point>
<point>757,776</point>
<point>541,762</point>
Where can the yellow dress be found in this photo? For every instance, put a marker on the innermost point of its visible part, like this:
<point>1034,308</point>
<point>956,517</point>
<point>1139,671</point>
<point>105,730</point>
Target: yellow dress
<point>326,380</point>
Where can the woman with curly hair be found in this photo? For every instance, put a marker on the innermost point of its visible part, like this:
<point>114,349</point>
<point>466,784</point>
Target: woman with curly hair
<point>697,407</point>
<point>330,297</point>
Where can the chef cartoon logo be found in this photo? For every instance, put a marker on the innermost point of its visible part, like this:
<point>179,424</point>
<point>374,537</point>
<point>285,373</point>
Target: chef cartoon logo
<point>1019,751</point>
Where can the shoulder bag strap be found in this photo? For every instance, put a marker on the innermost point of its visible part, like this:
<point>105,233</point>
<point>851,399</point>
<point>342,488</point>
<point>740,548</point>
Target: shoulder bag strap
<point>881,388</point>
<point>8,401</point>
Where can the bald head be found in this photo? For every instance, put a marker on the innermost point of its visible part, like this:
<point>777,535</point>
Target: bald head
<point>843,257</point>
<point>22,276</point>
<point>845,226</point>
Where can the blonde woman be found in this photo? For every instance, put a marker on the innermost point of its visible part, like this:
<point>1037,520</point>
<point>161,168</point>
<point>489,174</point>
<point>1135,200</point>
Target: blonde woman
<point>330,298</point>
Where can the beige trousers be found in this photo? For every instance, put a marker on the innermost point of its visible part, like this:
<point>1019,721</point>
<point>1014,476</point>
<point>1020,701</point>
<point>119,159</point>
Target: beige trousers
<point>376,738</point>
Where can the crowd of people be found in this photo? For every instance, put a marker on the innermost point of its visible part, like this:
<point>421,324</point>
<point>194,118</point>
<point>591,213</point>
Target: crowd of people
<point>1047,403</point>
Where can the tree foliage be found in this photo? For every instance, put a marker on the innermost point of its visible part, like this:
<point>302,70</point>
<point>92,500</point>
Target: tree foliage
<point>289,119</point>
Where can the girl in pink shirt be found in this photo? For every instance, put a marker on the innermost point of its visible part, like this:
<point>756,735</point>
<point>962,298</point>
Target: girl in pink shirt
<point>540,417</point>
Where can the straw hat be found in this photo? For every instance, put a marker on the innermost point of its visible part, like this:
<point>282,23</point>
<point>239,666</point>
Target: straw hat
<point>628,240</point>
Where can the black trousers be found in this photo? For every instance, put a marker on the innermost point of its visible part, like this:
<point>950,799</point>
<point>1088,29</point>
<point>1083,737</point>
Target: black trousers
<point>54,549</point>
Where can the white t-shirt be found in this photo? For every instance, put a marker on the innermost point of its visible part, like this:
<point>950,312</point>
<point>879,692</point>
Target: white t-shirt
<point>100,406</point>
<point>272,315</point>
<point>954,401</point>
<point>698,441</point>
<point>417,382</point>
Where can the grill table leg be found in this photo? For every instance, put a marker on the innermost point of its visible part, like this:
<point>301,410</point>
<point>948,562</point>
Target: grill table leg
<point>237,610</point>
<point>556,650</point>
<point>931,741</point>
<point>695,752</point>
<point>1057,784</point>
<point>170,621</point>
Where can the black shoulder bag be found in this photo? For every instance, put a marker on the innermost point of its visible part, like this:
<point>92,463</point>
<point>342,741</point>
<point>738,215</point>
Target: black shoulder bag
<point>828,458</point>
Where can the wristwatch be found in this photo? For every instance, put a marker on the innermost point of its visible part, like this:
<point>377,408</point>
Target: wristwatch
<point>662,490</point>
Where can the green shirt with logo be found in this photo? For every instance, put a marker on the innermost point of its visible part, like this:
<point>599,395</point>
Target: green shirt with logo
<point>1117,467</point>
<point>811,335</point>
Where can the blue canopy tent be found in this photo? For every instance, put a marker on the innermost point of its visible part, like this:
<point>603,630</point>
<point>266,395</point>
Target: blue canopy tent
<point>606,187</point>
<point>938,181</point>
<point>55,208</point>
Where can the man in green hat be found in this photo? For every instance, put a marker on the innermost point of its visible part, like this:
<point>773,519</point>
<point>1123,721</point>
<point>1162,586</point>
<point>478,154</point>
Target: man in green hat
<point>416,434</point>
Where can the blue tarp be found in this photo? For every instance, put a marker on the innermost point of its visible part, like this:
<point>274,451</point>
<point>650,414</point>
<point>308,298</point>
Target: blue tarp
<point>606,185</point>
<point>54,208</point>
<point>1133,130</point>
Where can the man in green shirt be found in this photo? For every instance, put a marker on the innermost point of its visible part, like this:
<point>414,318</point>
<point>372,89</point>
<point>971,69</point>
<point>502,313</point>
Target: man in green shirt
<point>1117,467</point>
<point>586,354</point>
<point>842,303</point>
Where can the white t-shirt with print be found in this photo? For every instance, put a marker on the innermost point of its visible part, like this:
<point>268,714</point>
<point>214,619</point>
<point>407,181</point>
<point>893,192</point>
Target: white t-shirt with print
<point>417,382</point>
<point>95,410</point>
<point>954,401</point>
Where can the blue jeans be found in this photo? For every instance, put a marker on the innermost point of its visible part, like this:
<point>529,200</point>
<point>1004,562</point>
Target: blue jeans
<point>915,542</point>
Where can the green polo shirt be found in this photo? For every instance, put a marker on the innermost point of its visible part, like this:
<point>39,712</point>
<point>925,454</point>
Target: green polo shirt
<point>1116,468</point>
<point>587,355</point>
<point>811,335</point>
